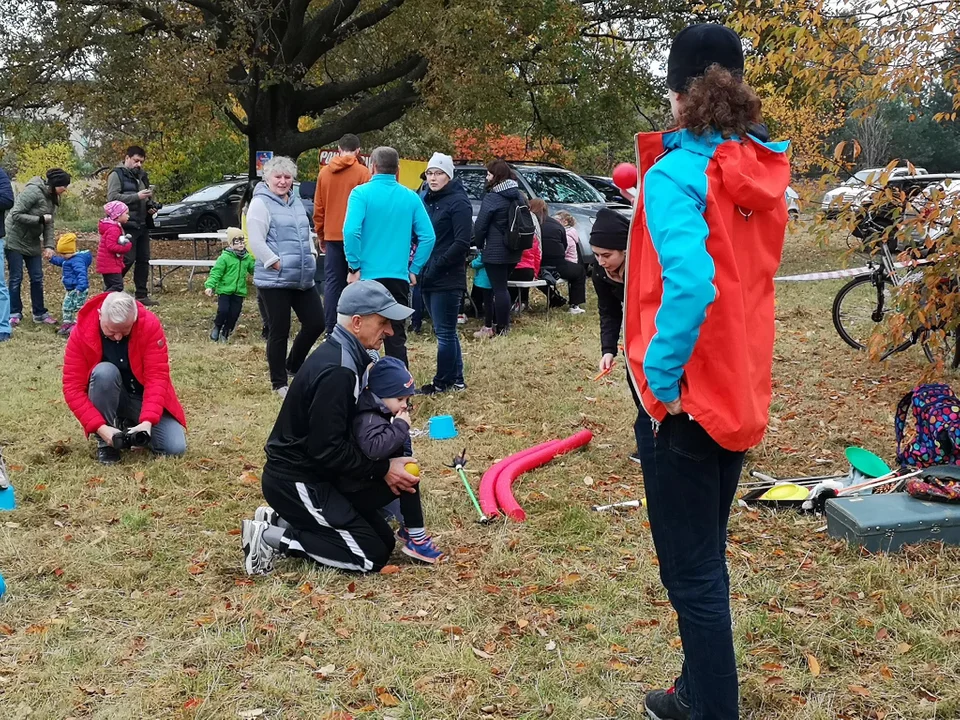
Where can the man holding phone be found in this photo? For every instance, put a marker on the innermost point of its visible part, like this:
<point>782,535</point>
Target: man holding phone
<point>129,184</point>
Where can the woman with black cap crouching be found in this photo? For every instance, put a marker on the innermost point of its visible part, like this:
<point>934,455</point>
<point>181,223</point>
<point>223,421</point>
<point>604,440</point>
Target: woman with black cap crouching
<point>608,240</point>
<point>699,328</point>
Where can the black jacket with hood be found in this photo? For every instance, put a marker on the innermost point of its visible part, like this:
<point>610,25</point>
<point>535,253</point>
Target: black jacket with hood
<point>490,229</point>
<point>379,434</point>
<point>312,440</point>
<point>452,217</point>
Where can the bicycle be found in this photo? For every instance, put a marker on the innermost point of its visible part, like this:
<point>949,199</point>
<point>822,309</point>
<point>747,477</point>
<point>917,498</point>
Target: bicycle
<point>866,301</point>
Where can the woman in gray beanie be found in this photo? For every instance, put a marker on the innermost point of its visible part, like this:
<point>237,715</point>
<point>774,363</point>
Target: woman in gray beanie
<point>30,240</point>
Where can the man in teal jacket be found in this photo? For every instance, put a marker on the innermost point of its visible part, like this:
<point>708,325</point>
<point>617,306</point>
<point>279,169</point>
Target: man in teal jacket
<point>383,219</point>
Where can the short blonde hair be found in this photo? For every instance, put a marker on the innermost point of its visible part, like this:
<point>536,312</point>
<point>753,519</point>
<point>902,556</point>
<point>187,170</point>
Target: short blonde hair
<point>119,308</point>
<point>279,165</point>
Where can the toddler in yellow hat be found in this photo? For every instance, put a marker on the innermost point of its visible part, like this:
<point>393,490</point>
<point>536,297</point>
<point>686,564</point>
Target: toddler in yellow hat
<point>74,266</point>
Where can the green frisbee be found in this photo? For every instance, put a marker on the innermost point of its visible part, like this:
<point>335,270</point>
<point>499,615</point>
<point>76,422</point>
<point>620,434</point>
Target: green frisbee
<point>867,462</point>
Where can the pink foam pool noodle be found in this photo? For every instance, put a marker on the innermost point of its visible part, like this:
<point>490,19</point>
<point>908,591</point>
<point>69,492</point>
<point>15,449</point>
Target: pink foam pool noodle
<point>488,501</point>
<point>521,464</point>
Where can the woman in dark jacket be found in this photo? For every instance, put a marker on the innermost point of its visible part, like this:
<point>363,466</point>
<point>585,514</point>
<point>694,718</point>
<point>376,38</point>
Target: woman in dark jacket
<point>490,235</point>
<point>608,240</point>
<point>443,280</point>
<point>554,244</point>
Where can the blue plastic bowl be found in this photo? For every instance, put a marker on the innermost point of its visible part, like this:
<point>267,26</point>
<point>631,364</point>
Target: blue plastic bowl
<point>442,427</point>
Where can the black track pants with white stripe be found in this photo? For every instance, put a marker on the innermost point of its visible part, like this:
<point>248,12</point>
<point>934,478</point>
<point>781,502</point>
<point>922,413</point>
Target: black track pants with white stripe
<point>327,528</point>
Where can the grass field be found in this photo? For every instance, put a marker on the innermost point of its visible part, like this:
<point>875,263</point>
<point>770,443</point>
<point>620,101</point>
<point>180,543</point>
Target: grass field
<point>126,596</point>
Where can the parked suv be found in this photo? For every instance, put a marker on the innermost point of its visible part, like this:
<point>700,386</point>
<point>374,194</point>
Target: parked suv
<point>557,186</point>
<point>856,188</point>
<point>883,207</point>
<point>606,187</point>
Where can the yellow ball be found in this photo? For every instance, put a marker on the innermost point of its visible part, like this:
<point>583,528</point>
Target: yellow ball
<point>413,469</point>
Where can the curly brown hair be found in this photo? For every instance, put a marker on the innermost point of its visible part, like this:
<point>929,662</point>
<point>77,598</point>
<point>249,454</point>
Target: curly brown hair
<point>721,101</point>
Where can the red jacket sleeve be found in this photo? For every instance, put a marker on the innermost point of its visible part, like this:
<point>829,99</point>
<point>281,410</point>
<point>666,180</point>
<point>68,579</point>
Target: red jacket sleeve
<point>156,369</point>
<point>110,240</point>
<point>76,381</point>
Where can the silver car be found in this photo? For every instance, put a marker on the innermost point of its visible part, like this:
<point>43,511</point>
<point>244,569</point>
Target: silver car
<point>557,186</point>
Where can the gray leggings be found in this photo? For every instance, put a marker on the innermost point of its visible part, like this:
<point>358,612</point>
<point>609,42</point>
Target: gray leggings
<point>106,392</point>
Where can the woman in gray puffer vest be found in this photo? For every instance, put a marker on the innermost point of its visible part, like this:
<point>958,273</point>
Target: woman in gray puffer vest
<point>279,231</point>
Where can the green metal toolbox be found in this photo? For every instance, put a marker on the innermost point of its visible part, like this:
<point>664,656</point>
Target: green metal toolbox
<point>885,522</point>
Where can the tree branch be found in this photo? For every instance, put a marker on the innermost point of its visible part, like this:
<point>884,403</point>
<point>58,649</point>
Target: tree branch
<point>316,45</point>
<point>315,100</point>
<point>293,37</point>
<point>240,124</point>
<point>321,27</point>
<point>374,113</point>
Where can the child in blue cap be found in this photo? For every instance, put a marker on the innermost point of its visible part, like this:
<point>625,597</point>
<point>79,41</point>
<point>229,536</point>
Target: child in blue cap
<point>382,430</point>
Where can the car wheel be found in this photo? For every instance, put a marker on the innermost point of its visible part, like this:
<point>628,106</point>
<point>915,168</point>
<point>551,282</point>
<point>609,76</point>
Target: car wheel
<point>208,224</point>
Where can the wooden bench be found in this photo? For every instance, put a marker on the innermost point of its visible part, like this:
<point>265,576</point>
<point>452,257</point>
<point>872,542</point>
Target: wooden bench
<point>175,265</point>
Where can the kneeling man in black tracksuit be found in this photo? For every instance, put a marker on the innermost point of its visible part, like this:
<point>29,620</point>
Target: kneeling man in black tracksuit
<point>313,460</point>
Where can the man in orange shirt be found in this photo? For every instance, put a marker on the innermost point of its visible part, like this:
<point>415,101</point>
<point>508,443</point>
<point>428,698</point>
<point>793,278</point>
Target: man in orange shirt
<point>336,180</point>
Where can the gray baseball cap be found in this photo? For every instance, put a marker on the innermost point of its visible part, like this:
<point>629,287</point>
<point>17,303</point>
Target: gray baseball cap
<point>368,297</point>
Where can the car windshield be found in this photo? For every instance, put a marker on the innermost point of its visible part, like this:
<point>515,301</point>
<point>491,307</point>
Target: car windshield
<point>863,177</point>
<point>474,181</point>
<point>212,192</point>
<point>556,186</point>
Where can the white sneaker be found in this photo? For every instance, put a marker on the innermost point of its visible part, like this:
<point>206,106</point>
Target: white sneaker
<point>266,514</point>
<point>4,478</point>
<point>282,392</point>
<point>257,555</point>
<point>576,310</point>
<point>461,319</point>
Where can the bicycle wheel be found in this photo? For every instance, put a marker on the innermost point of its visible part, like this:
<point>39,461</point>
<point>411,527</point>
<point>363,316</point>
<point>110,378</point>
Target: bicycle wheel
<point>859,307</point>
<point>940,346</point>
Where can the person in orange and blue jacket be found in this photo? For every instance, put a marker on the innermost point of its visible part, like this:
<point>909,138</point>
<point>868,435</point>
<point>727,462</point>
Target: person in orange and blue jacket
<point>704,246</point>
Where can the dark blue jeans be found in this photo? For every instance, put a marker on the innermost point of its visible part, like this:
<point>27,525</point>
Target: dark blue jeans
<point>334,281</point>
<point>444,307</point>
<point>416,302</point>
<point>34,263</point>
<point>690,483</point>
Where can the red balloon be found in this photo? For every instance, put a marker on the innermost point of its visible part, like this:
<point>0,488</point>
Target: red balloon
<point>625,176</point>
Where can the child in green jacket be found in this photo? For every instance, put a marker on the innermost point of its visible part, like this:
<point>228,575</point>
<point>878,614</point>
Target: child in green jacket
<point>228,279</point>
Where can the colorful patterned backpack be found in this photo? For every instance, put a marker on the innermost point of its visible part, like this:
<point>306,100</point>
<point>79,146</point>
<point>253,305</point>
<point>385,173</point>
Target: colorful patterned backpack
<point>936,411</point>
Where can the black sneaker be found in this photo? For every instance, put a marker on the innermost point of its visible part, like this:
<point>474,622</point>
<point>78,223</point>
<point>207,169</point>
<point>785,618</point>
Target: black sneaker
<point>107,455</point>
<point>148,302</point>
<point>430,389</point>
<point>215,333</point>
<point>665,705</point>
<point>635,457</point>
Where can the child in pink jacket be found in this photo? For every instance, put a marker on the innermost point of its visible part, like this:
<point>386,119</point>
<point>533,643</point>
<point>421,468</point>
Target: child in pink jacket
<point>114,245</point>
<point>573,237</point>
